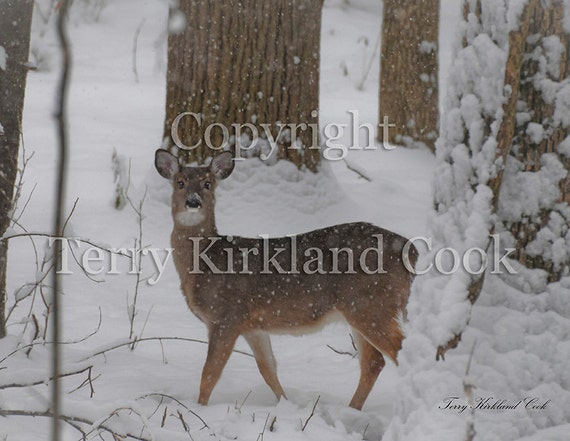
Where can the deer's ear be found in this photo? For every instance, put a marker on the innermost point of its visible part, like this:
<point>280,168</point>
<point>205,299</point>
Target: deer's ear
<point>222,165</point>
<point>166,163</point>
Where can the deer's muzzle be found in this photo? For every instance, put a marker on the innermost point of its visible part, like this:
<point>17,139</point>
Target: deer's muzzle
<point>194,201</point>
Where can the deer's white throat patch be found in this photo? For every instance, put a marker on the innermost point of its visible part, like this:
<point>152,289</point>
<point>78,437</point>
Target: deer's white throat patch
<point>189,217</point>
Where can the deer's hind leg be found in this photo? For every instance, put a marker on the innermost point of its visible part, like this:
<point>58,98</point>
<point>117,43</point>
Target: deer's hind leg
<point>381,327</point>
<point>378,335</point>
<point>371,364</point>
<point>260,344</point>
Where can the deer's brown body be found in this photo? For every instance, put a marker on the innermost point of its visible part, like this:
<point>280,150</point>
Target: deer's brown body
<point>254,287</point>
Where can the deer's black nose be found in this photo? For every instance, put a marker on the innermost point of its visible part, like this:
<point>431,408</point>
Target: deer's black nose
<point>194,201</point>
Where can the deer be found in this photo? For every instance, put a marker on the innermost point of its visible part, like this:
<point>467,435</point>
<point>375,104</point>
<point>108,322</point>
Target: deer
<point>254,287</point>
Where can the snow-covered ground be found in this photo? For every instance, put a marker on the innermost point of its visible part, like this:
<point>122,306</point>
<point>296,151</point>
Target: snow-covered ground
<point>110,110</point>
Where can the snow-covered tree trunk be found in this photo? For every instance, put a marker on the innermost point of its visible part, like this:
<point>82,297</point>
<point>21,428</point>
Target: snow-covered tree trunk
<point>503,171</point>
<point>245,62</point>
<point>15,25</point>
<point>538,217</point>
<point>409,71</point>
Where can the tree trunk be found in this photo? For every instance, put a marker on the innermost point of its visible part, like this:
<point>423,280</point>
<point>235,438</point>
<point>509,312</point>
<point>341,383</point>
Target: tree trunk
<point>512,82</point>
<point>15,26</point>
<point>547,59</point>
<point>248,61</point>
<point>409,72</point>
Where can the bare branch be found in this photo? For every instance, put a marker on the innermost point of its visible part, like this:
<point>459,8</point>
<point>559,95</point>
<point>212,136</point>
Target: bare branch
<point>184,425</point>
<point>311,415</point>
<point>238,408</point>
<point>260,436</point>
<point>74,421</point>
<point>160,339</point>
<point>351,354</point>
<point>354,169</point>
<point>468,389</point>
<point>58,237</point>
<point>132,309</point>
<point>45,381</point>
<point>89,380</point>
<point>135,44</point>
<point>20,185</point>
<point>180,403</point>
<point>43,343</point>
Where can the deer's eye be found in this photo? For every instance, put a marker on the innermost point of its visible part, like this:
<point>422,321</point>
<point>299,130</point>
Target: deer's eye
<point>207,185</point>
<point>181,184</point>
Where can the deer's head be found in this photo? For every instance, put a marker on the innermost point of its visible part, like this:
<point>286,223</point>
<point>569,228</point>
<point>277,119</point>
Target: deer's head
<point>193,187</point>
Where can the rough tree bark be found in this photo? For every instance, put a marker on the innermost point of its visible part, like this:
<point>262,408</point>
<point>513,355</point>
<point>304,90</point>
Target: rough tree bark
<point>535,126</point>
<point>246,61</point>
<point>15,26</point>
<point>546,22</point>
<point>409,71</point>
<point>505,134</point>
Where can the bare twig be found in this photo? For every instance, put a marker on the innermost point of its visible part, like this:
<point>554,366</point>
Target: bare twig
<point>56,238</point>
<point>136,339</point>
<point>36,332</point>
<point>130,410</point>
<point>238,408</point>
<point>180,403</point>
<point>43,343</point>
<point>89,380</point>
<point>157,406</point>
<point>43,271</point>
<point>368,67</point>
<point>260,436</point>
<point>353,343</point>
<point>132,309</point>
<point>32,287</point>
<point>68,218</point>
<point>164,359</point>
<point>351,354</point>
<point>468,388</point>
<point>20,185</point>
<point>184,425</point>
<point>45,381</point>
<point>272,425</point>
<point>135,43</point>
<point>311,415</point>
<point>355,170</point>
<point>160,339</point>
<point>365,430</point>
<point>74,421</point>
<point>112,348</point>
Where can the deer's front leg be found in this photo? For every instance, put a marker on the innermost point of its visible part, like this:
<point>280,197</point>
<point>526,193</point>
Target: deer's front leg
<point>261,347</point>
<point>221,343</point>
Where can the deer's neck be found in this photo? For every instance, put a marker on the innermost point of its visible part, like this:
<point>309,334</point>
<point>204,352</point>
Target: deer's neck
<point>182,236</point>
<point>188,240</point>
<point>187,243</point>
